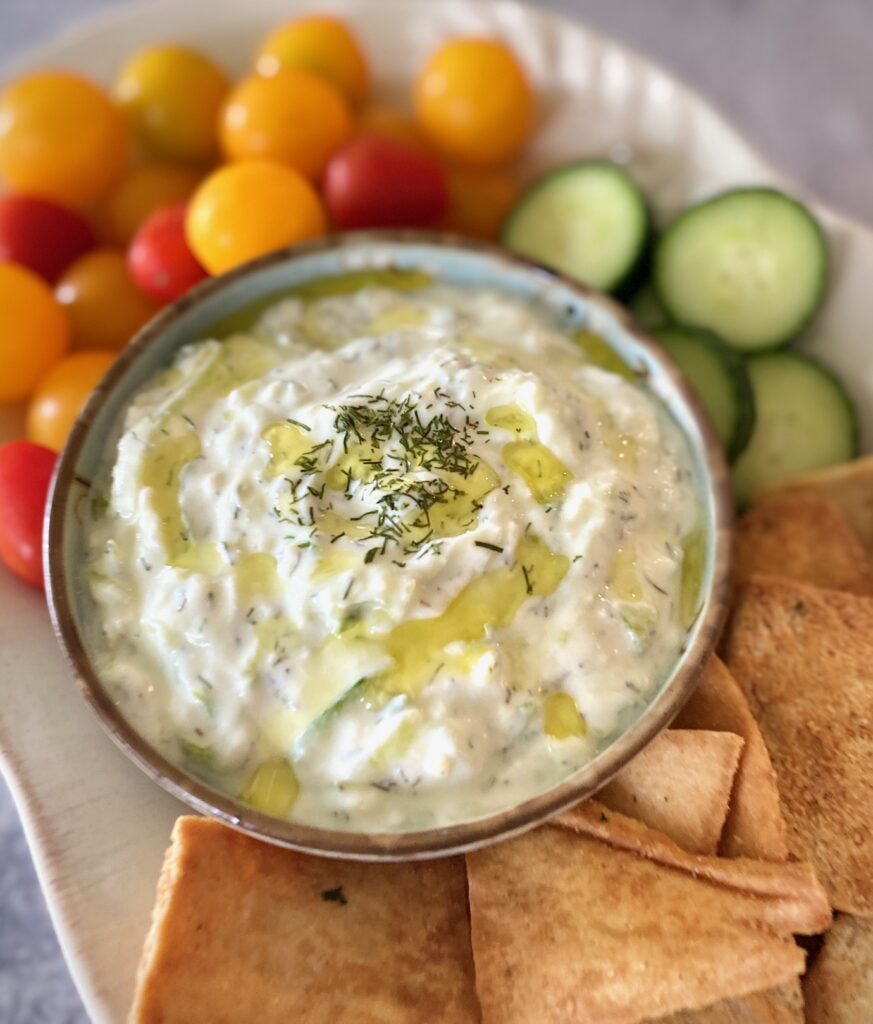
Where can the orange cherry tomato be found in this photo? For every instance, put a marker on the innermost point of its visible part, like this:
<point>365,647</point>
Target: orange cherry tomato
<point>474,103</point>
<point>479,201</point>
<point>172,95</point>
<point>294,117</point>
<point>61,394</point>
<point>388,123</point>
<point>322,45</point>
<point>61,138</point>
<point>103,304</point>
<point>139,193</point>
<point>247,209</point>
<point>34,332</point>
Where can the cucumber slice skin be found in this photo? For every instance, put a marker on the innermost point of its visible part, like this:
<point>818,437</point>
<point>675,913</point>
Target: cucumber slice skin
<point>634,271</point>
<point>699,354</point>
<point>673,231</point>
<point>824,411</point>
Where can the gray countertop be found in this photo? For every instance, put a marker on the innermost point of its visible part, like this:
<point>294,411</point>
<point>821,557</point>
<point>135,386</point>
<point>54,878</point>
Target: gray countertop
<point>794,75</point>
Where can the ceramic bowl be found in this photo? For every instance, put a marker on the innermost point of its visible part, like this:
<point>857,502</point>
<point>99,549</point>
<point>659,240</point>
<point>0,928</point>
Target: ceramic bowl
<point>452,260</point>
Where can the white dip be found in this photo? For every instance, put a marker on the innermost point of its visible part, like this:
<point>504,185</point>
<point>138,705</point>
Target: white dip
<point>395,559</point>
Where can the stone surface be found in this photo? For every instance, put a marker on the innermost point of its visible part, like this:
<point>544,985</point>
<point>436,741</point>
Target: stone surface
<point>793,76</point>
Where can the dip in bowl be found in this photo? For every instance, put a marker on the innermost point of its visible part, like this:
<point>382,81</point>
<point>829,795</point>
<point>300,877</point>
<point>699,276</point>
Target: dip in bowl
<point>388,545</point>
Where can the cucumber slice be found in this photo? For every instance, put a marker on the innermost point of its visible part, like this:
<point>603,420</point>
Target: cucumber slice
<point>587,220</point>
<point>719,377</point>
<point>805,421</point>
<point>750,264</point>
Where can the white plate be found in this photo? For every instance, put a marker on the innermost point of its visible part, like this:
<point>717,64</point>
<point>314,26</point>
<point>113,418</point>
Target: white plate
<point>96,826</point>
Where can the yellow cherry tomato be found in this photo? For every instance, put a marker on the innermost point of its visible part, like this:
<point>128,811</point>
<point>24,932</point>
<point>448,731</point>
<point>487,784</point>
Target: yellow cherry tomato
<point>34,333</point>
<point>322,45</point>
<point>479,201</point>
<point>61,138</point>
<point>172,95</point>
<point>474,103</point>
<point>294,118</point>
<point>247,209</point>
<point>388,123</point>
<point>140,192</point>
<point>103,304</point>
<point>61,394</point>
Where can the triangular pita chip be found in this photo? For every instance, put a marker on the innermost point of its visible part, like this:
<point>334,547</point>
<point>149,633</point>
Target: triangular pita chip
<point>245,931</point>
<point>755,826</point>
<point>839,985</point>
<point>679,784</point>
<point>569,928</point>
<point>802,537</point>
<point>849,485</point>
<point>782,1005</point>
<point>790,896</point>
<point>804,658</point>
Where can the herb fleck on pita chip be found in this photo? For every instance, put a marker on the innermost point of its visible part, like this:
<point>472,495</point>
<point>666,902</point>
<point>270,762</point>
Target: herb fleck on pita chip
<point>839,985</point>
<point>569,928</point>
<point>245,931</point>
<point>754,827</point>
<point>849,485</point>
<point>804,657</point>
<point>802,537</point>
<point>782,1005</point>
<point>679,784</point>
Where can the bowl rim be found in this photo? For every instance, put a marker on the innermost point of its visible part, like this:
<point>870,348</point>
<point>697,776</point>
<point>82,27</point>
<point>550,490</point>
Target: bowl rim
<point>383,846</point>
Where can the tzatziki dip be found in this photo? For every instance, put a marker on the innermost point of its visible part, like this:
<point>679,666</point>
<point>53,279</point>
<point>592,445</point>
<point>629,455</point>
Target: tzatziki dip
<point>396,556</point>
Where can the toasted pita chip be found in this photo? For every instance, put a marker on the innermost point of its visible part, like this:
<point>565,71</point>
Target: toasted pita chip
<point>790,896</point>
<point>802,537</point>
<point>839,986</point>
<point>568,928</point>
<point>245,931</point>
<point>679,784</point>
<point>782,1005</point>
<point>804,658</point>
<point>849,485</point>
<point>755,826</point>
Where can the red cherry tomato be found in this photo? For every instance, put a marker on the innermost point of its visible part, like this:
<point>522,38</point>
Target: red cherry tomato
<point>42,235</point>
<point>25,473</point>
<point>378,182</point>
<point>159,258</point>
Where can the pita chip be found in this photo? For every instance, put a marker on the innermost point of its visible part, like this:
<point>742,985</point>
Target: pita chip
<point>790,896</point>
<point>570,928</point>
<point>802,537</point>
<point>246,931</point>
<point>849,485</point>
<point>755,826</point>
<point>782,1005</point>
<point>804,658</point>
<point>679,784</point>
<point>839,985</point>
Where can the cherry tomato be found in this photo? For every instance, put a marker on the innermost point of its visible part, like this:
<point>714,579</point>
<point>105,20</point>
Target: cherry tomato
<point>172,95</point>
<point>479,201</point>
<point>60,138</point>
<point>104,305</point>
<point>294,118</point>
<point>145,189</point>
<point>160,260</point>
<point>322,45</point>
<point>61,394</point>
<point>25,474</point>
<point>474,102</point>
<point>379,182</point>
<point>42,235</point>
<point>386,122</point>
<point>34,332</point>
<point>247,209</point>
